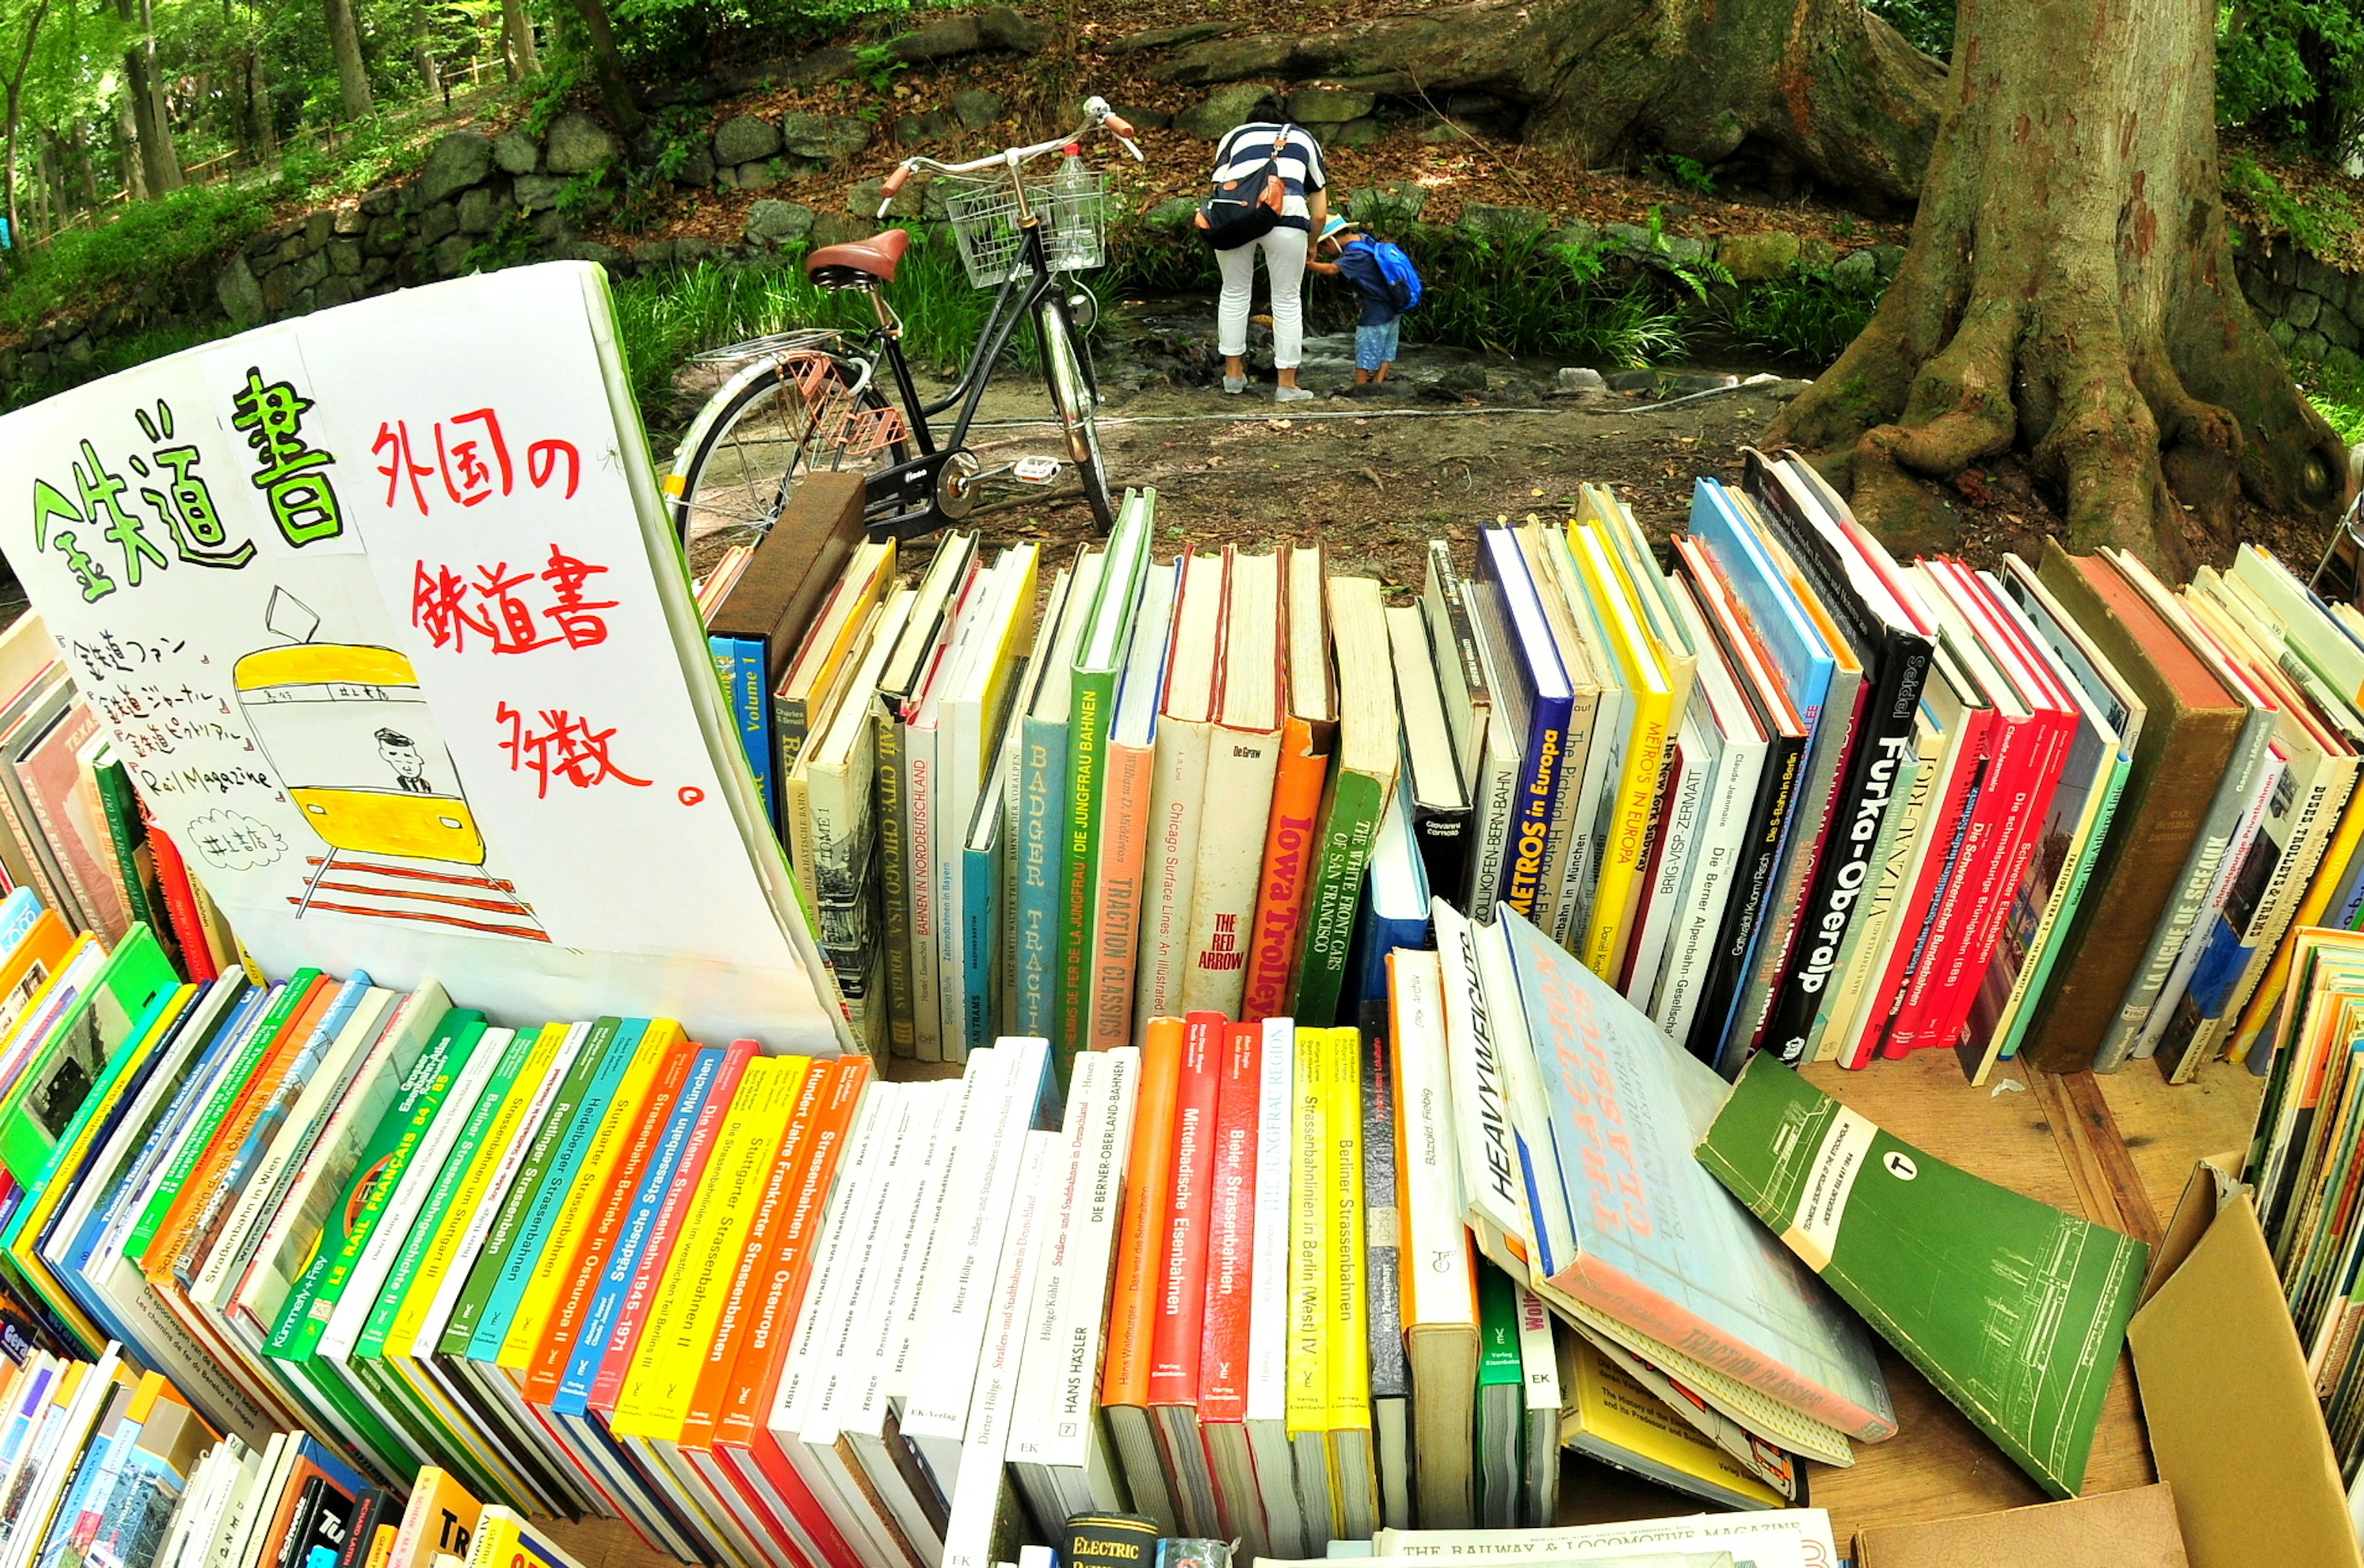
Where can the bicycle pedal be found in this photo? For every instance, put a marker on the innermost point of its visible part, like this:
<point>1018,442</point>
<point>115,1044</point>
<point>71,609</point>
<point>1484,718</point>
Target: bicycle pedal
<point>1035,470</point>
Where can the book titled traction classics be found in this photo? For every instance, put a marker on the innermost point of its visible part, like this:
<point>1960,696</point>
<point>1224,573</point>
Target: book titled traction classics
<point>2013,1308</point>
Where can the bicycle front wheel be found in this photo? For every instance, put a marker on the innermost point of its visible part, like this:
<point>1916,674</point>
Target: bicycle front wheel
<point>1068,366</point>
<point>782,417</point>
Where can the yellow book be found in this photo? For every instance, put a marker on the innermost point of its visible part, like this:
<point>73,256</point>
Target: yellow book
<point>65,1165</point>
<point>1607,1415</point>
<point>2328,874</point>
<point>504,1540</point>
<point>1310,1285</point>
<point>1617,893</point>
<point>530,1323</point>
<point>467,1200</point>
<point>828,646</point>
<point>1630,552</point>
<point>688,1302</point>
<point>1354,1467</point>
<point>440,1518</point>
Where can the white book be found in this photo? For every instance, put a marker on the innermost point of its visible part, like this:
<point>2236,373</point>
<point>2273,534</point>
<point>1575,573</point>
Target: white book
<point>935,1417</point>
<point>1530,1114</point>
<point>1055,1283</point>
<point>1785,1538</point>
<point>1239,768</point>
<point>1690,778</point>
<point>2212,903</point>
<point>53,1456</point>
<point>1539,1441</point>
<point>1265,1416</point>
<point>982,1495</point>
<point>1492,1191</point>
<point>392,1231</point>
<point>1740,746</point>
<point>923,786</point>
<point>1186,738</point>
<point>1590,809</point>
<point>262,1477</point>
<point>850,1202</point>
<point>1075,1448</point>
<point>200,1502</point>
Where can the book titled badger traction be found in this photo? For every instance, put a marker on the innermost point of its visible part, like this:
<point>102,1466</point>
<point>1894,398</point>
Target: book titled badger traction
<point>2013,1308</point>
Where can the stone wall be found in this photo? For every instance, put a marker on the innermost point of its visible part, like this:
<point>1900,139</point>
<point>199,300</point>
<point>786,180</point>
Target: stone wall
<point>2312,308</point>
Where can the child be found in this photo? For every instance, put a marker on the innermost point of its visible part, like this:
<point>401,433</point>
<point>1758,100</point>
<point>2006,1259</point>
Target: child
<point>1347,253</point>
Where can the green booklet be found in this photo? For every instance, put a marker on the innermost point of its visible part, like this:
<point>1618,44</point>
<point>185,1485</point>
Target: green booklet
<point>2013,1308</point>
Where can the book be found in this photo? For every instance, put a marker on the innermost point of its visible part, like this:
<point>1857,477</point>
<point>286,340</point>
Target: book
<point>1132,1294</point>
<point>1431,775</point>
<point>1242,767</point>
<point>1100,654</point>
<point>1307,721</point>
<point>1878,1219</point>
<point>1354,797</point>
<point>1501,1401</point>
<point>1127,825</point>
<point>1040,846</point>
<point>1353,1449</point>
<point>1185,742</point>
<point>826,645</point>
<point>1607,1417</point>
<point>2189,715</point>
<point>1388,1371</point>
<point>1265,1413</point>
<point>1483,747</point>
<point>1312,1293</point>
<point>1599,725</point>
<point>1539,1417</point>
<point>1229,1296</point>
<point>1177,1317</point>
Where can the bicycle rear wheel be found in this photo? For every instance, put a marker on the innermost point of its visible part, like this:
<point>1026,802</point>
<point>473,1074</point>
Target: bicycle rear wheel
<point>782,417</point>
<point>1067,367</point>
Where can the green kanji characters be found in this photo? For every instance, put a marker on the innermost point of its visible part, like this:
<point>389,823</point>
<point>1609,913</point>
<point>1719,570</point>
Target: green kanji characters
<point>185,505</point>
<point>302,503</point>
<point>50,503</point>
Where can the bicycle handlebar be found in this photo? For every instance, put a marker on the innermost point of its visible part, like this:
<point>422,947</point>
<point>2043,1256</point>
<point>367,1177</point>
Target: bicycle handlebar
<point>1096,114</point>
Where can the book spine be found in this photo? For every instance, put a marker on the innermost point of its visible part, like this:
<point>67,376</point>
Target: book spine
<point>1442,837</point>
<point>1617,888</point>
<point>32,844</point>
<point>1116,926</point>
<point>1865,951</point>
<point>2183,909</point>
<point>1088,715</point>
<point>1836,901</point>
<point>843,827</point>
<point>1563,851</point>
<point>181,908</point>
<point>980,975</point>
<point>1760,852</point>
<point>1241,774</point>
<point>1390,1375</point>
<point>124,833</point>
<point>791,721</point>
<point>923,799</point>
<point>1176,803</point>
<point>1535,793</point>
<point>754,710</point>
<point>894,882</point>
<point>2285,894</point>
<point>1494,808</point>
<point>1349,826</point>
<point>1836,742</point>
<point>1179,1313</point>
<point>1230,1232</point>
<point>1291,845</point>
<point>2020,1011</point>
<point>1041,860</point>
<point>1690,944</point>
<point>1945,834</point>
<point>1683,800</point>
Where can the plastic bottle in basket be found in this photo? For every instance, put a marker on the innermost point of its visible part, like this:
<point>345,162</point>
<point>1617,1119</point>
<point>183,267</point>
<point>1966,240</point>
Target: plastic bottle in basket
<point>1072,197</point>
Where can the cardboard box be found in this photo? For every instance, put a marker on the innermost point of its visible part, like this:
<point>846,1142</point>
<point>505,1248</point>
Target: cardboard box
<point>2134,1529</point>
<point>2235,1428</point>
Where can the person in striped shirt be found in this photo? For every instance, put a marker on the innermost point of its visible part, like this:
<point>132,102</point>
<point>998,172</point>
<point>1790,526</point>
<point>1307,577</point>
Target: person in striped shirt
<point>1306,207</point>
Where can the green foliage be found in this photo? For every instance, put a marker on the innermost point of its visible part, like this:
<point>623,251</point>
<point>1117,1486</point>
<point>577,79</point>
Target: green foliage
<point>2339,398</point>
<point>1927,24</point>
<point>2293,69</point>
<point>2319,225</point>
<point>510,244</point>
<point>1690,173</point>
<point>120,354</point>
<point>876,66</point>
<point>1529,295</point>
<point>150,238</point>
<point>1807,318</point>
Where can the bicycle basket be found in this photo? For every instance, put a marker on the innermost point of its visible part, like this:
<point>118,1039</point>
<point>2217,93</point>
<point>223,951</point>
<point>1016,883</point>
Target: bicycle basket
<point>984,215</point>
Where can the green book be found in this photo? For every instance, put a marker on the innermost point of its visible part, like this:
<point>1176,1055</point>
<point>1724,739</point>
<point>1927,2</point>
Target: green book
<point>127,832</point>
<point>1502,1399</point>
<point>1091,707</point>
<point>89,1030</point>
<point>384,1159</point>
<point>224,1099</point>
<point>509,1224</point>
<point>2013,1308</point>
<point>1356,797</point>
<point>556,1180</point>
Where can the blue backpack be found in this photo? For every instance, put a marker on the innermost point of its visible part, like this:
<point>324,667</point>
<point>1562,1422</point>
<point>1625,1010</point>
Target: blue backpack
<point>1402,277</point>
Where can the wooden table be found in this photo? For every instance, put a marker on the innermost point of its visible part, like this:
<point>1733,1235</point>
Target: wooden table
<point>2115,1148</point>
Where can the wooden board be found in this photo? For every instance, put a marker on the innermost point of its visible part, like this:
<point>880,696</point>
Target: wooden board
<point>2115,1148</point>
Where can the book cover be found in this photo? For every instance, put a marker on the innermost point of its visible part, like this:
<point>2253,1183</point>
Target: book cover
<point>1308,721</point>
<point>1243,759</point>
<point>1040,846</point>
<point>1126,825</point>
<point>1184,742</point>
<point>1178,1317</point>
<point>2013,1308</point>
<point>1354,797</point>
<point>1536,698</point>
<point>1312,1291</point>
<point>1139,1254</point>
<point>1609,1416</point>
<point>1389,1371</point>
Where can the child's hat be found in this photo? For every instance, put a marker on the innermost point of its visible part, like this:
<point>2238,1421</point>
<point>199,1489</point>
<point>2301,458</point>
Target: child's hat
<point>1334,228</point>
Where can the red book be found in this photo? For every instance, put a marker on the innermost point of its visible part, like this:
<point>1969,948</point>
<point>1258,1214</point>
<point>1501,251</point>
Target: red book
<point>744,1451</point>
<point>1179,1312</point>
<point>181,908</point>
<point>1946,821</point>
<point>632,1316</point>
<point>1230,1260</point>
<point>2004,758</point>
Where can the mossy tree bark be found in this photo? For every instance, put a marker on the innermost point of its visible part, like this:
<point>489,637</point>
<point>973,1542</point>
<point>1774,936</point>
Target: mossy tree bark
<point>1820,91</point>
<point>2069,294</point>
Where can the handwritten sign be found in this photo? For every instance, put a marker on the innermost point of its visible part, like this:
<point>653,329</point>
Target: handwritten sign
<point>389,628</point>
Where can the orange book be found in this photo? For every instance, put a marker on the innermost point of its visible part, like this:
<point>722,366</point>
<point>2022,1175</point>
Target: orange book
<point>599,1240</point>
<point>36,959</point>
<point>1306,734</point>
<point>1131,1346</point>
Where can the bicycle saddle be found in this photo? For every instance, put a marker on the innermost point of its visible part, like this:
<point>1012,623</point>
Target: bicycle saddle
<point>850,265</point>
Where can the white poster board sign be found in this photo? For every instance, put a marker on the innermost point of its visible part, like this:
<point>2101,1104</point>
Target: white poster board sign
<point>384,615</point>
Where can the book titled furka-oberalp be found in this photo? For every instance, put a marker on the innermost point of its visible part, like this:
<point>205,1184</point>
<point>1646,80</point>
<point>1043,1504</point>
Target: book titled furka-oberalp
<point>1655,1241</point>
<point>2013,1308</point>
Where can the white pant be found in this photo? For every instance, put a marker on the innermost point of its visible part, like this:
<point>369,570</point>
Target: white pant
<point>1284,263</point>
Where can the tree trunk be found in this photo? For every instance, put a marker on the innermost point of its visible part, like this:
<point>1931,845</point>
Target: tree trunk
<point>126,137</point>
<point>1814,88</point>
<point>607,66</point>
<point>2069,293</point>
<point>517,30</point>
<point>422,40</point>
<point>150,128</point>
<point>352,76</point>
<point>266,133</point>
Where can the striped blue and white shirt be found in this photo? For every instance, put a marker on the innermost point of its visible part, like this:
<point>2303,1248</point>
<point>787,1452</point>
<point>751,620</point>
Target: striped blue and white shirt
<point>1244,151</point>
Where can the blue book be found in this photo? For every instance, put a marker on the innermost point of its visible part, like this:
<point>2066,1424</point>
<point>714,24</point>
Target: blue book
<point>574,1397</point>
<point>739,662</point>
<point>1041,847</point>
<point>1536,697</point>
<point>533,1232</point>
<point>1394,909</point>
<point>1803,663</point>
<point>18,914</point>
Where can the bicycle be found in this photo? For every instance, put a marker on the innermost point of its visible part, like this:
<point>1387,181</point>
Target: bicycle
<point>811,400</point>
